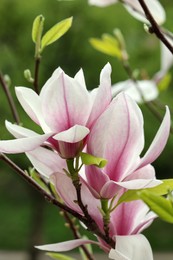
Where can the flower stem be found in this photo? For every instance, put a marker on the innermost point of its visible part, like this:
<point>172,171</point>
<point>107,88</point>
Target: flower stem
<point>106,216</point>
<point>9,98</point>
<point>37,66</point>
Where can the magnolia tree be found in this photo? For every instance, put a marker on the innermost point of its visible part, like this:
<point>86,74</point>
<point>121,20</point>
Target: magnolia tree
<point>88,159</point>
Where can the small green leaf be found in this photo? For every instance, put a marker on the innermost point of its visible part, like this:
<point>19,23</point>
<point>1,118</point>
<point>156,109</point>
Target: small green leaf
<point>89,159</point>
<point>36,177</point>
<point>165,82</point>
<point>37,28</point>
<point>161,189</point>
<point>56,32</point>
<point>107,45</point>
<point>160,205</point>
<point>59,256</point>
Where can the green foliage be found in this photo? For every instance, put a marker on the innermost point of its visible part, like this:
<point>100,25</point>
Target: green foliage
<point>163,207</point>
<point>54,33</point>
<point>108,45</point>
<point>89,159</point>
<point>161,189</point>
<point>37,28</point>
<point>165,82</point>
<point>59,256</point>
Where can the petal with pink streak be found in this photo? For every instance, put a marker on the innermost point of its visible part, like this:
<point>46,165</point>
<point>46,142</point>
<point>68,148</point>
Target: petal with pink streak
<point>117,133</point>
<point>73,135</point>
<point>65,103</point>
<point>159,141</point>
<point>46,161</point>
<point>128,217</point>
<point>69,197</point>
<point>103,95</point>
<point>23,144</point>
<point>96,179</point>
<point>133,247</point>
<point>66,246</point>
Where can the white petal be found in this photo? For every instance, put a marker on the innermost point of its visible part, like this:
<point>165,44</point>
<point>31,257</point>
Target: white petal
<point>133,247</point>
<point>65,246</point>
<point>147,88</point>
<point>73,135</point>
<point>23,144</point>
<point>135,9</point>
<point>19,131</point>
<point>102,3</point>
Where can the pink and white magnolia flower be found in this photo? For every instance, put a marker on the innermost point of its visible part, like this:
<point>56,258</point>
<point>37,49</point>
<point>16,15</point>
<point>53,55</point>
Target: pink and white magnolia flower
<point>135,9</point>
<point>118,136</point>
<point>65,111</point>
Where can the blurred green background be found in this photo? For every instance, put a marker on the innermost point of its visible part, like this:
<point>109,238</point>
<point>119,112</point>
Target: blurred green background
<point>21,226</point>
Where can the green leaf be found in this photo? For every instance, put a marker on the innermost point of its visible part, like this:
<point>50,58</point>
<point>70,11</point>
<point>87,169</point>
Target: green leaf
<point>59,256</point>
<point>160,205</point>
<point>89,159</point>
<point>107,45</point>
<point>165,82</point>
<point>56,32</point>
<point>36,177</point>
<point>161,189</point>
<point>37,28</point>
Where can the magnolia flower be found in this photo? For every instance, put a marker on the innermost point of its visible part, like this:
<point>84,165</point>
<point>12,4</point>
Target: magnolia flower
<point>135,9</point>
<point>118,136</point>
<point>64,110</point>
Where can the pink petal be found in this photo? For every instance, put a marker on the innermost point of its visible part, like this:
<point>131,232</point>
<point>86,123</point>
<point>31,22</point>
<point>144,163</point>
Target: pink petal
<point>80,78</point>
<point>23,144</point>
<point>65,103</point>
<point>133,247</point>
<point>73,135</point>
<point>159,141</point>
<point>117,133</point>
<point>66,246</point>
<point>103,95</point>
<point>130,216</point>
<point>46,161</point>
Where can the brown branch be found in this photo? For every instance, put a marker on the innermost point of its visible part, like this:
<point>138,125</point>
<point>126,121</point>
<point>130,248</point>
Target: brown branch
<point>154,26</point>
<point>9,98</point>
<point>76,234</point>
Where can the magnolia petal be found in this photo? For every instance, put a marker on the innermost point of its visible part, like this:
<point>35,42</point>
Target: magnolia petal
<point>117,133</point>
<point>80,78</point>
<point>156,9</point>
<point>103,95</point>
<point>142,91</point>
<point>23,144</point>
<point>19,131</point>
<point>66,246</point>
<point>133,247</point>
<point>31,103</point>
<point>46,161</point>
<point>73,135</point>
<point>159,141</point>
<point>111,188</point>
<point>166,56</point>
<point>65,103</point>
<point>102,3</point>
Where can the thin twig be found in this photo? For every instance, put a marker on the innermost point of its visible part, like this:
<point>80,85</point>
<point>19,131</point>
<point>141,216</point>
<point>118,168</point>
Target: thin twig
<point>154,26</point>
<point>10,99</point>
<point>76,234</point>
<point>37,66</point>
